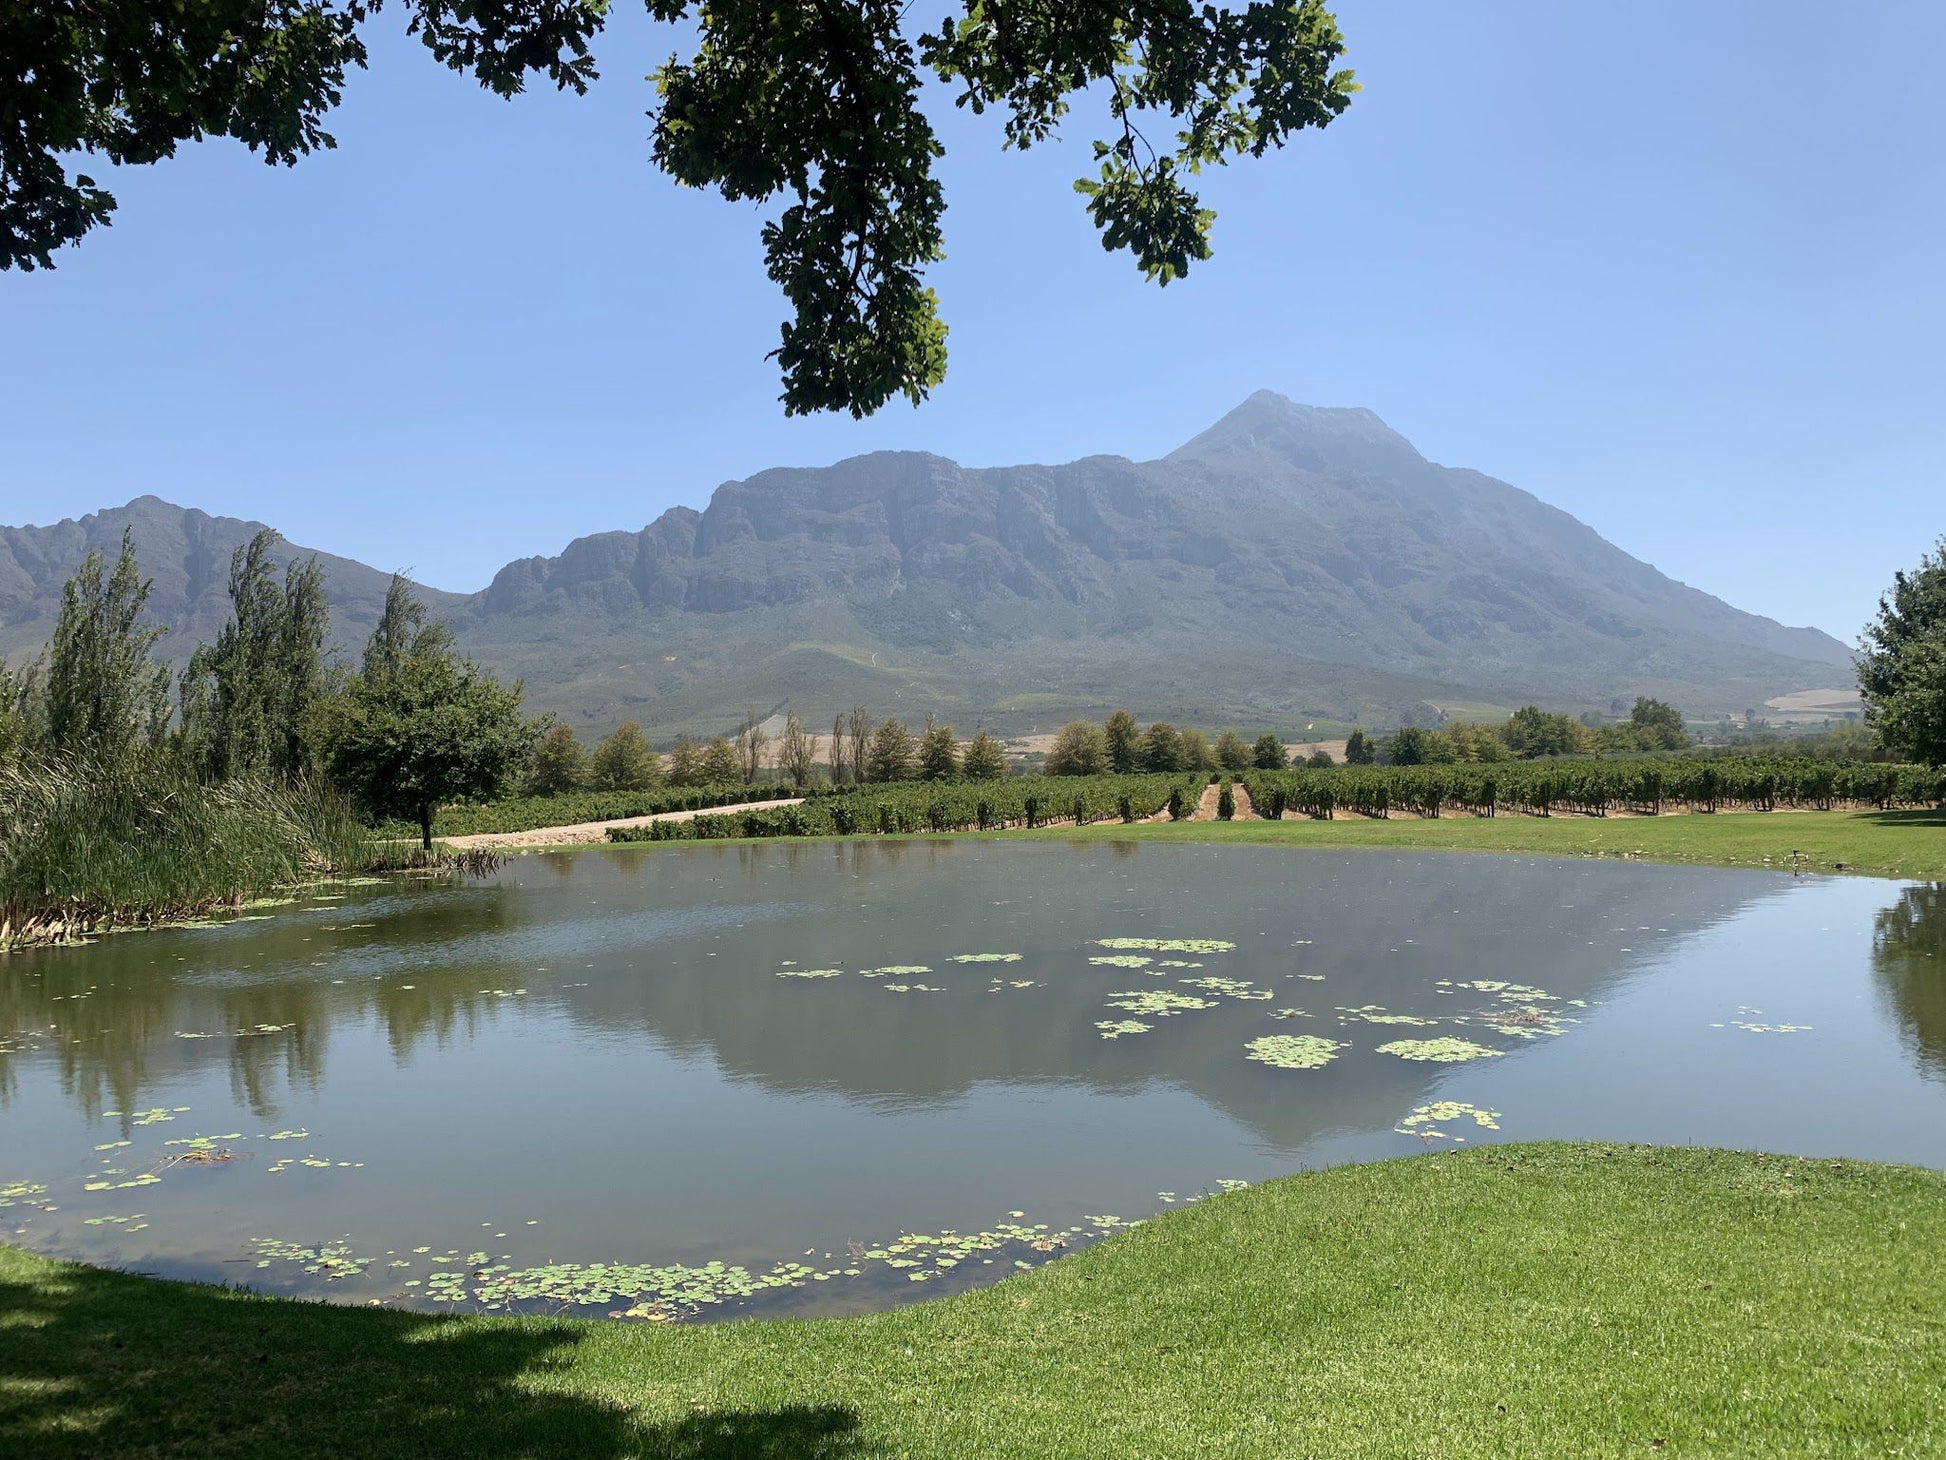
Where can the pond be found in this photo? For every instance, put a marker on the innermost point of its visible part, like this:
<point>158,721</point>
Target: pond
<point>723,1079</point>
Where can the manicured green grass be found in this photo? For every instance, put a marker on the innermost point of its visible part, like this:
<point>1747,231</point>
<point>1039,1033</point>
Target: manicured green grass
<point>1513,1301</point>
<point>1883,843</point>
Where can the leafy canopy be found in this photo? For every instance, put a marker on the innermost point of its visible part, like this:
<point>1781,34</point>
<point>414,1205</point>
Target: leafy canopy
<point>418,726</point>
<point>815,103</point>
<point>1902,663</point>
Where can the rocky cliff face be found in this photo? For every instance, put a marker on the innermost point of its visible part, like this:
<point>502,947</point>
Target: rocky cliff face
<point>1289,560</point>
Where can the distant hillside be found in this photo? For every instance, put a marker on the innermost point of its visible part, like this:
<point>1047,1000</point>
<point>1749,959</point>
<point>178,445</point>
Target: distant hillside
<point>186,554</point>
<point>1289,563</point>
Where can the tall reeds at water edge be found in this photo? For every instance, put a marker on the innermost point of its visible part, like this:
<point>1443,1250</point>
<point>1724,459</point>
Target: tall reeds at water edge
<point>88,844</point>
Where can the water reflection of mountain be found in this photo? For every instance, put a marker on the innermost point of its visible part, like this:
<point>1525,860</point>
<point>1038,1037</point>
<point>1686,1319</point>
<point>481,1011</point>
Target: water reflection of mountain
<point>1909,961</point>
<point>681,947</point>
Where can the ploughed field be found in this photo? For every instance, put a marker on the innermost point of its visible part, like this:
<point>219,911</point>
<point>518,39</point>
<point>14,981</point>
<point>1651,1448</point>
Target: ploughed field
<point>689,1081</point>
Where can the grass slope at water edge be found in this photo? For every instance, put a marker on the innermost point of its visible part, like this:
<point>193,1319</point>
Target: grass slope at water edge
<point>1881,843</point>
<point>1520,1300</point>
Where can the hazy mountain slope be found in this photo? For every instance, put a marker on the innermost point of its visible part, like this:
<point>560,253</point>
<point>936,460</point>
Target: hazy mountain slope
<point>1289,563</point>
<point>186,553</point>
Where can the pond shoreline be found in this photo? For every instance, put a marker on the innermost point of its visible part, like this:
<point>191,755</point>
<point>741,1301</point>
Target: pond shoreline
<point>1399,1306</point>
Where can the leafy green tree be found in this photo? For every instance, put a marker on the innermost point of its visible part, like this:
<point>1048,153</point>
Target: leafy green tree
<point>418,726</point>
<point>1196,752</point>
<point>1162,748</point>
<point>1232,754</point>
<point>1124,743</point>
<point>625,761</point>
<point>1319,759</point>
<point>559,765</point>
<point>893,754</point>
<point>938,753</point>
<point>1359,749</point>
<point>1268,754</point>
<point>1658,726</point>
<point>1532,732</point>
<point>1408,747</point>
<point>1080,749</point>
<point>105,695</point>
<point>685,763</point>
<point>249,699</point>
<point>1902,663</point>
<point>23,711</point>
<point>985,759</point>
<point>720,764</point>
<point>817,109</point>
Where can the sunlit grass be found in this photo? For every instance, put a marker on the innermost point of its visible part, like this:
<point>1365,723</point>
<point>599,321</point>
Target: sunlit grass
<point>1894,843</point>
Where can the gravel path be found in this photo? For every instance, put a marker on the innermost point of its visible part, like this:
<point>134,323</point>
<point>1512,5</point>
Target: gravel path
<point>585,832</point>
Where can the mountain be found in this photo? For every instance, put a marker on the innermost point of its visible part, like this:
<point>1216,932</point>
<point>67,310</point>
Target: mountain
<point>1291,562</point>
<point>186,556</point>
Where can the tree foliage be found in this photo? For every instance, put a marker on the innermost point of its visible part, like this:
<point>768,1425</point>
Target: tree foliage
<point>1080,749</point>
<point>985,759</point>
<point>105,695</point>
<point>1124,743</point>
<point>1268,754</point>
<point>625,762</point>
<point>818,106</point>
<point>249,700</point>
<point>418,725</point>
<point>938,753</point>
<point>893,754</point>
<point>1162,748</point>
<point>1232,754</point>
<point>559,766</point>
<point>1902,663</point>
<point>1359,749</point>
<point>1657,725</point>
<point>719,764</point>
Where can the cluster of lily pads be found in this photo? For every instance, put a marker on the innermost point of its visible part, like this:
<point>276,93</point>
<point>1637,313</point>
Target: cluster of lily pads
<point>1428,1121</point>
<point>676,1291</point>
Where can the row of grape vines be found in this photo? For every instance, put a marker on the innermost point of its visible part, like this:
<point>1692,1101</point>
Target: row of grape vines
<point>915,806</point>
<point>1644,787</point>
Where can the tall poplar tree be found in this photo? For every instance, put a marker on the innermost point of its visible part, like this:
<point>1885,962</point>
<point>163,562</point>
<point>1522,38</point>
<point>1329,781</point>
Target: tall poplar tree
<point>106,696</point>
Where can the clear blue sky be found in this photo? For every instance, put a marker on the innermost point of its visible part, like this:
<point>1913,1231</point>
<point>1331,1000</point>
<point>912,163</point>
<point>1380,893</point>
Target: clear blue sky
<point>1675,268</point>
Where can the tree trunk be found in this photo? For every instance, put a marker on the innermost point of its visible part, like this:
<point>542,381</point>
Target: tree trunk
<point>425,827</point>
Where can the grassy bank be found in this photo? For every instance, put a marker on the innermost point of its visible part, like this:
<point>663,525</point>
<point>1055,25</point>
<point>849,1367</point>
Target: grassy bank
<point>1881,843</point>
<point>1542,1300</point>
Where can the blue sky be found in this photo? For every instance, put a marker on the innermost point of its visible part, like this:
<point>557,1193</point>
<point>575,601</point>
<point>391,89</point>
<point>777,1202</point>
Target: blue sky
<point>1676,269</point>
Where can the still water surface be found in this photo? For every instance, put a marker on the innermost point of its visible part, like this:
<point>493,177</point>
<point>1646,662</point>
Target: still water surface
<point>639,1058</point>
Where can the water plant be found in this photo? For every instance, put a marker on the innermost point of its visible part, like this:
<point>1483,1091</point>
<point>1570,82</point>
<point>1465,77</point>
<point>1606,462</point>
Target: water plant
<point>1160,1003</point>
<point>986,958</point>
<point>1425,1120</point>
<point>1170,945</point>
<point>1438,1051</point>
<point>1294,1051</point>
<point>1116,1028</point>
<point>1122,960</point>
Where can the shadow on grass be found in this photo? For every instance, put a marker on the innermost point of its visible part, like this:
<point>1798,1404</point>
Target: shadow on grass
<point>100,1364</point>
<point>1935,816</point>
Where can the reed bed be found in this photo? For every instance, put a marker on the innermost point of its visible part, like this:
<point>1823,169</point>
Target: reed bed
<point>88,845</point>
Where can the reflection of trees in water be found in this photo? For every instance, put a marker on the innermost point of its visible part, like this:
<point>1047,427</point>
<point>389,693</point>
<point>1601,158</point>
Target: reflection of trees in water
<point>1909,959</point>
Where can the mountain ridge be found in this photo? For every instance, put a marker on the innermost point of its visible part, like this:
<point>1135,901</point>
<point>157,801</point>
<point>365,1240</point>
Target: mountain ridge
<point>1288,561</point>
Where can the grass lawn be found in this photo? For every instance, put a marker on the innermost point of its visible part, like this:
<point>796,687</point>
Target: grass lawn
<point>1515,1301</point>
<point>1883,843</point>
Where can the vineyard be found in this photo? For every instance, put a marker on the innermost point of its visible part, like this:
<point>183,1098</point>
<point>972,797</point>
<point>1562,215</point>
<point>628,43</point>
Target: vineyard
<point>1645,787</point>
<point>914,806</point>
